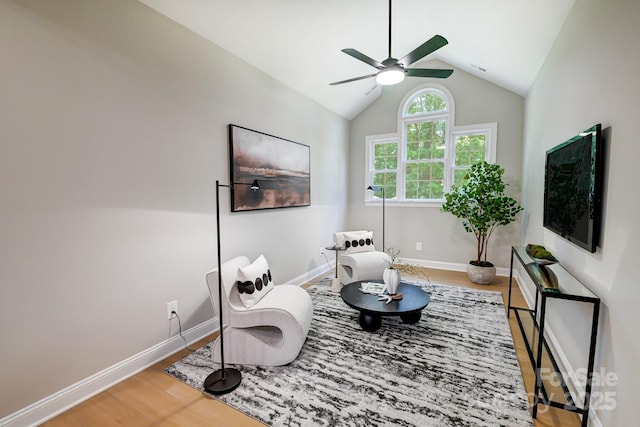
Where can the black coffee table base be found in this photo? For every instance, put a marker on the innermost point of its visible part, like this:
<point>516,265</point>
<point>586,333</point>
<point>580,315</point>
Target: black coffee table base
<point>411,318</point>
<point>371,322</point>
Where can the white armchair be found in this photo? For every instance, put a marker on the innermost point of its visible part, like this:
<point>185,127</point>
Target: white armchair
<point>360,260</point>
<point>271,332</point>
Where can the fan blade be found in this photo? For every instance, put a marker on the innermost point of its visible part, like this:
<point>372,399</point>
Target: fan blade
<point>352,80</point>
<point>428,72</point>
<point>362,57</point>
<point>431,45</point>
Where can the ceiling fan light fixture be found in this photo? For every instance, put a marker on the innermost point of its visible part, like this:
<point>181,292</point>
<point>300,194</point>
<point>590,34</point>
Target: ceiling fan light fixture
<point>390,76</point>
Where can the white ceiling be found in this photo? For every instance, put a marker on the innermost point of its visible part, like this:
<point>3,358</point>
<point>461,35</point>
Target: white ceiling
<point>298,42</point>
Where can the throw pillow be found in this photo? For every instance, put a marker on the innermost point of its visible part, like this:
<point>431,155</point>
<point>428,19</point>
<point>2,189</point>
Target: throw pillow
<point>254,281</point>
<point>358,242</point>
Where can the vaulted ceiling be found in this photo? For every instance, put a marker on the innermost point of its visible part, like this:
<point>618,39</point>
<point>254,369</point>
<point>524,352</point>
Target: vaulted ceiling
<point>298,42</point>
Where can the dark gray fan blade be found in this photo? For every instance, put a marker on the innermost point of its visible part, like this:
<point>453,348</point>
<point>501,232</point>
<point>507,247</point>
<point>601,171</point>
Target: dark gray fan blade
<point>362,57</point>
<point>431,45</point>
<point>428,72</point>
<point>352,80</point>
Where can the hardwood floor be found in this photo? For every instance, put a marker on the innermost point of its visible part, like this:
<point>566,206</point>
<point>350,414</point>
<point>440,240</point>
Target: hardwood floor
<point>152,398</point>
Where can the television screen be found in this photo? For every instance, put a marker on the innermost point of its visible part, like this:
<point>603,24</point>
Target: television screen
<point>573,181</point>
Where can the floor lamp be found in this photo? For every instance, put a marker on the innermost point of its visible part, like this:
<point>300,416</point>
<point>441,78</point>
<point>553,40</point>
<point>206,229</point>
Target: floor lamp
<point>379,188</point>
<point>224,380</point>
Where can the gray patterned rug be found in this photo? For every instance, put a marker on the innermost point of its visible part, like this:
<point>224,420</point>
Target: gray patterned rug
<point>456,367</point>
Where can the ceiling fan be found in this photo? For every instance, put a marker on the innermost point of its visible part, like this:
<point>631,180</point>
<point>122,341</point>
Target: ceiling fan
<point>392,70</point>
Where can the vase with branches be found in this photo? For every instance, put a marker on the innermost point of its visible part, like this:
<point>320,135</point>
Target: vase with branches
<point>391,275</point>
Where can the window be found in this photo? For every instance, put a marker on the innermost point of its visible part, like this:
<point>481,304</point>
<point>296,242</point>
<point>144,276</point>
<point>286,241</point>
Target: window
<point>429,155</point>
<point>471,146</point>
<point>385,166</point>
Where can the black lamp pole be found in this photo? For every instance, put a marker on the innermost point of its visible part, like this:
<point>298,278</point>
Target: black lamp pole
<point>379,188</point>
<point>224,380</point>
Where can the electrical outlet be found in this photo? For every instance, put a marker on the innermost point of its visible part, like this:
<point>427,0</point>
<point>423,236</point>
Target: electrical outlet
<point>418,246</point>
<point>171,307</point>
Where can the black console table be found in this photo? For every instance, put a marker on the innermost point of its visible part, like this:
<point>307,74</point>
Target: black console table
<point>551,281</point>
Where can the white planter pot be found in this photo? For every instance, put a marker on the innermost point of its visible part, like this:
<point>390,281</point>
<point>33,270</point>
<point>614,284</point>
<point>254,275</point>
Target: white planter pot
<point>391,278</point>
<point>481,275</point>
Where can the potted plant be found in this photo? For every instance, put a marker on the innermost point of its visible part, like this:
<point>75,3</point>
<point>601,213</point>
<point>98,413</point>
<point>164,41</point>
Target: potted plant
<point>482,205</point>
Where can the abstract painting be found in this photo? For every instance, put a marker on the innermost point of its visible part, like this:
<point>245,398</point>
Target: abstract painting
<point>280,166</point>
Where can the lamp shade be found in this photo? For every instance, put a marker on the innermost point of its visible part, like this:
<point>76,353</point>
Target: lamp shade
<point>390,75</point>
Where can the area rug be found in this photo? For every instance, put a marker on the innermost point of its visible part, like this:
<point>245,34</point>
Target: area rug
<point>456,367</point>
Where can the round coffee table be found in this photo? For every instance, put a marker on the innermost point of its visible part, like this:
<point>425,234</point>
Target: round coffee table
<point>409,308</point>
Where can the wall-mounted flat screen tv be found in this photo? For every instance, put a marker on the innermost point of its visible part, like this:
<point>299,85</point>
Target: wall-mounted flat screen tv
<point>573,188</point>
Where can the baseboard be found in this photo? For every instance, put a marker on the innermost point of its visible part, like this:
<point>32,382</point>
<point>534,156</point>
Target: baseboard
<point>306,277</point>
<point>451,266</point>
<point>561,358</point>
<point>69,397</point>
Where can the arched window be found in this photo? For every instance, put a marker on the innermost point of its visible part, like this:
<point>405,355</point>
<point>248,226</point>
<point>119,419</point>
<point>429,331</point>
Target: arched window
<point>429,154</point>
<point>426,101</point>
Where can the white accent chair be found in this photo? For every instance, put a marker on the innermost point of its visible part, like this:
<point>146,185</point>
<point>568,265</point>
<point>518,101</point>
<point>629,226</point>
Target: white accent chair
<point>367,264</point>
<point>269,333</point>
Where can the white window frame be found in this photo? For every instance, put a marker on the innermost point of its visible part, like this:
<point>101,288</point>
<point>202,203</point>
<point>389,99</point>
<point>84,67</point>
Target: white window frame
<point>403,151</point>
<point>451,132</point>
<point>490,130</point>
<point>380,139</point>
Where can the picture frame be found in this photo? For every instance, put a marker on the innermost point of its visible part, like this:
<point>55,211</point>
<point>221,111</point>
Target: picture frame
<point>281,167</point>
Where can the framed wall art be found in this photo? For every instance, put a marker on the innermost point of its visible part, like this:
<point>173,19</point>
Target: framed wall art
<point>280,166</point>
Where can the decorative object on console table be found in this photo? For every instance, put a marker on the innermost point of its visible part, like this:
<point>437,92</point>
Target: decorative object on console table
<point>482,205</point>
<point>538,268</point>
<point>540,254</point>
<point>545,276</point>
<point>224,380</point>
<point>281,166</point>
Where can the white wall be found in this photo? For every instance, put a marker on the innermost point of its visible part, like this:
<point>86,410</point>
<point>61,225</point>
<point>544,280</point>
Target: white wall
<point>113,130</point>
<point>442,235</point>
<point>591,76</point>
